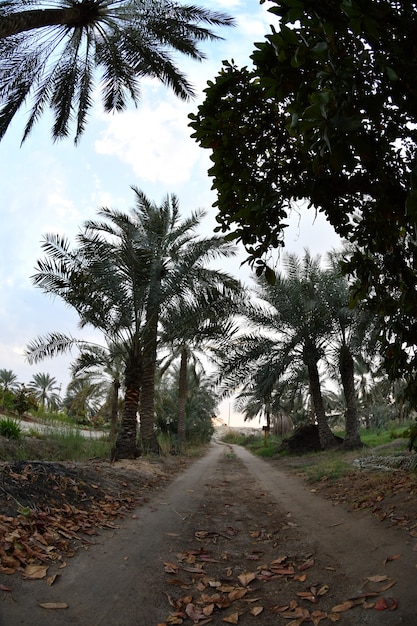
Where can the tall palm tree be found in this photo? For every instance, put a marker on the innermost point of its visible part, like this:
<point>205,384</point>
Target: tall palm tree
<point>294,323</point>
<point>179,272</point>
<point>8,381</point>
<point>125,271</point>
<point>200,326</point>
<point>354,337</point>
<point>105,279</point>
<point>46,389</point>
<point>55,51</point>
<point>105,366</point>
<point>302,318</point>
<point>84,397</point>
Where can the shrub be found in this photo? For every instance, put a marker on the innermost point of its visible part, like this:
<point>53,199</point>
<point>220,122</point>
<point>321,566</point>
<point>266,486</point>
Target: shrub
<point>10,429</point>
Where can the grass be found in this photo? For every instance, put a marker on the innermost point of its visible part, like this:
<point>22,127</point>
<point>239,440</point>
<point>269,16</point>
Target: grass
<point>326,465</point>
<point>64,445</point>
<point>71,446</point>
<point>10,429</point>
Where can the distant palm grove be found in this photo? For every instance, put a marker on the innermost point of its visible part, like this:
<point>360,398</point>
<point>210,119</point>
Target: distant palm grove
<point>176,334</point>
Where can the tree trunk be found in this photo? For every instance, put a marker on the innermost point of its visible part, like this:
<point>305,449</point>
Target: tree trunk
<point>147,396</point>
<point>182,395</point>
<point>346,369</point>
<point>114,409</point>
<point>22,21</point>
<point>327,439</point>
<point>126,444</point>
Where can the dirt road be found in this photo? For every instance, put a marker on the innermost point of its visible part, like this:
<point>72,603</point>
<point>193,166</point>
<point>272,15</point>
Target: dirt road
<point>231,540</point>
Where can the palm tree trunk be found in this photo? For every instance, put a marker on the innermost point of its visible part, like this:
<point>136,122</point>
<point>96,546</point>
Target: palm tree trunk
<point>147,396</point>
<point>114,409</point>
<point>126,444</point>
<point>182,395</point>
<point>346,369</point>
<point>22,21</point>
<point>327,439</point>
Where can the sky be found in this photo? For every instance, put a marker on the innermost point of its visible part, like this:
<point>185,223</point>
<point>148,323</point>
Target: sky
<point>48,187</point>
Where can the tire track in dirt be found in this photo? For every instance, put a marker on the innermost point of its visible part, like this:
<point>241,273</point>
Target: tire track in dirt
<point>227,515</point>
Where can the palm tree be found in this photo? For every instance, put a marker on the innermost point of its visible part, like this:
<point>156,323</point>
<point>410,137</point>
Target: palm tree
<point>354,337</point>
<point>105,279</point>
<point>54,54</point>
<point>84,397</point>
<point>200,406</point>
<point>104,366</point>
<point>177,262</point>
<point>126,270</point>
<point>301,317</point>
<point>294,324</point>
<point>45,387</point>
<point>8,381</point>
<point>193,328</point>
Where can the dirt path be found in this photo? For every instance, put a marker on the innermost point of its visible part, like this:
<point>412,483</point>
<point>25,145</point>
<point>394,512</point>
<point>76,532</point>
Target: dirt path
<point>230,538</point>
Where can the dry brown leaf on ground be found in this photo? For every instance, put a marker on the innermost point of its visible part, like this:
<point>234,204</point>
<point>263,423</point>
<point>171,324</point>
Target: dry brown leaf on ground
<point>306,565</point>
<point>377,579</point>
<point>345,606</point>
<point>256,610</point>
<point>35,571</point>
<point>246,577</point>
<point>386,603</point>
<point>195,613</point>
<point>53,605</point>
<point>237,594</point>
<point>392,558</point>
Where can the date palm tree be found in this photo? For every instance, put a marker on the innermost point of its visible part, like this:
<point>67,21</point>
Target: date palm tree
<point>55,52</point>
<point>292,323</point>
<point>104,366</point>
<point>105,280</point>
<point>179,273</point>
<point>127,269</point>
<point>8,381</point>
<point>303,318</point>
<point>46,389</point>
<point>191,329</point>
<point>84,398</point>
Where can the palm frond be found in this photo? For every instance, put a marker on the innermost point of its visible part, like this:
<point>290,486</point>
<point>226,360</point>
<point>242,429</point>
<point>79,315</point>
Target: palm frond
<point>49,345</point>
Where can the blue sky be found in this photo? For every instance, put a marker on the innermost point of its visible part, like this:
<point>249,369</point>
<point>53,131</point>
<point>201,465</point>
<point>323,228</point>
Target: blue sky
<point>55,187</point>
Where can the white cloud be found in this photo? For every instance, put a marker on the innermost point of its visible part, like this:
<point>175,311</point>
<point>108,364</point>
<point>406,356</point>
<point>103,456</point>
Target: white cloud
<point>154,141</point>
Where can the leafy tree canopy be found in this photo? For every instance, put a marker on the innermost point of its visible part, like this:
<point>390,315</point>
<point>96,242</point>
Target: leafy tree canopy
<point>327,118</point>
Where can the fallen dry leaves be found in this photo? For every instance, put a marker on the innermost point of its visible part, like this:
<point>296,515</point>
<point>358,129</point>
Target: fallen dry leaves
<point>52,511</point>
<point>210,596</point>
<point>226,576</point>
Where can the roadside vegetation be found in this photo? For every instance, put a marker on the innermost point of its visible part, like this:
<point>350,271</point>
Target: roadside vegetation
<point>330,464</point>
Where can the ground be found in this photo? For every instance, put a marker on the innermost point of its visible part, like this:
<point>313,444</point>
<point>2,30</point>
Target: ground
<point>225,539</point>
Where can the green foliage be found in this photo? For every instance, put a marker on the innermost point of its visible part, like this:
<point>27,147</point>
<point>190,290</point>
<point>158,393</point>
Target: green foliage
<point>200,408</point>
<point>24,401</point>
<point>71,445</point>
<point>328,117</point>
<point>53,58</point>
<point>411,434</point>
<point>233,437</point>
<point>10,429</point>
<point>165,442</point>
<point>269,451</point>
<point>255,443</point>
<point>331,468</point>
